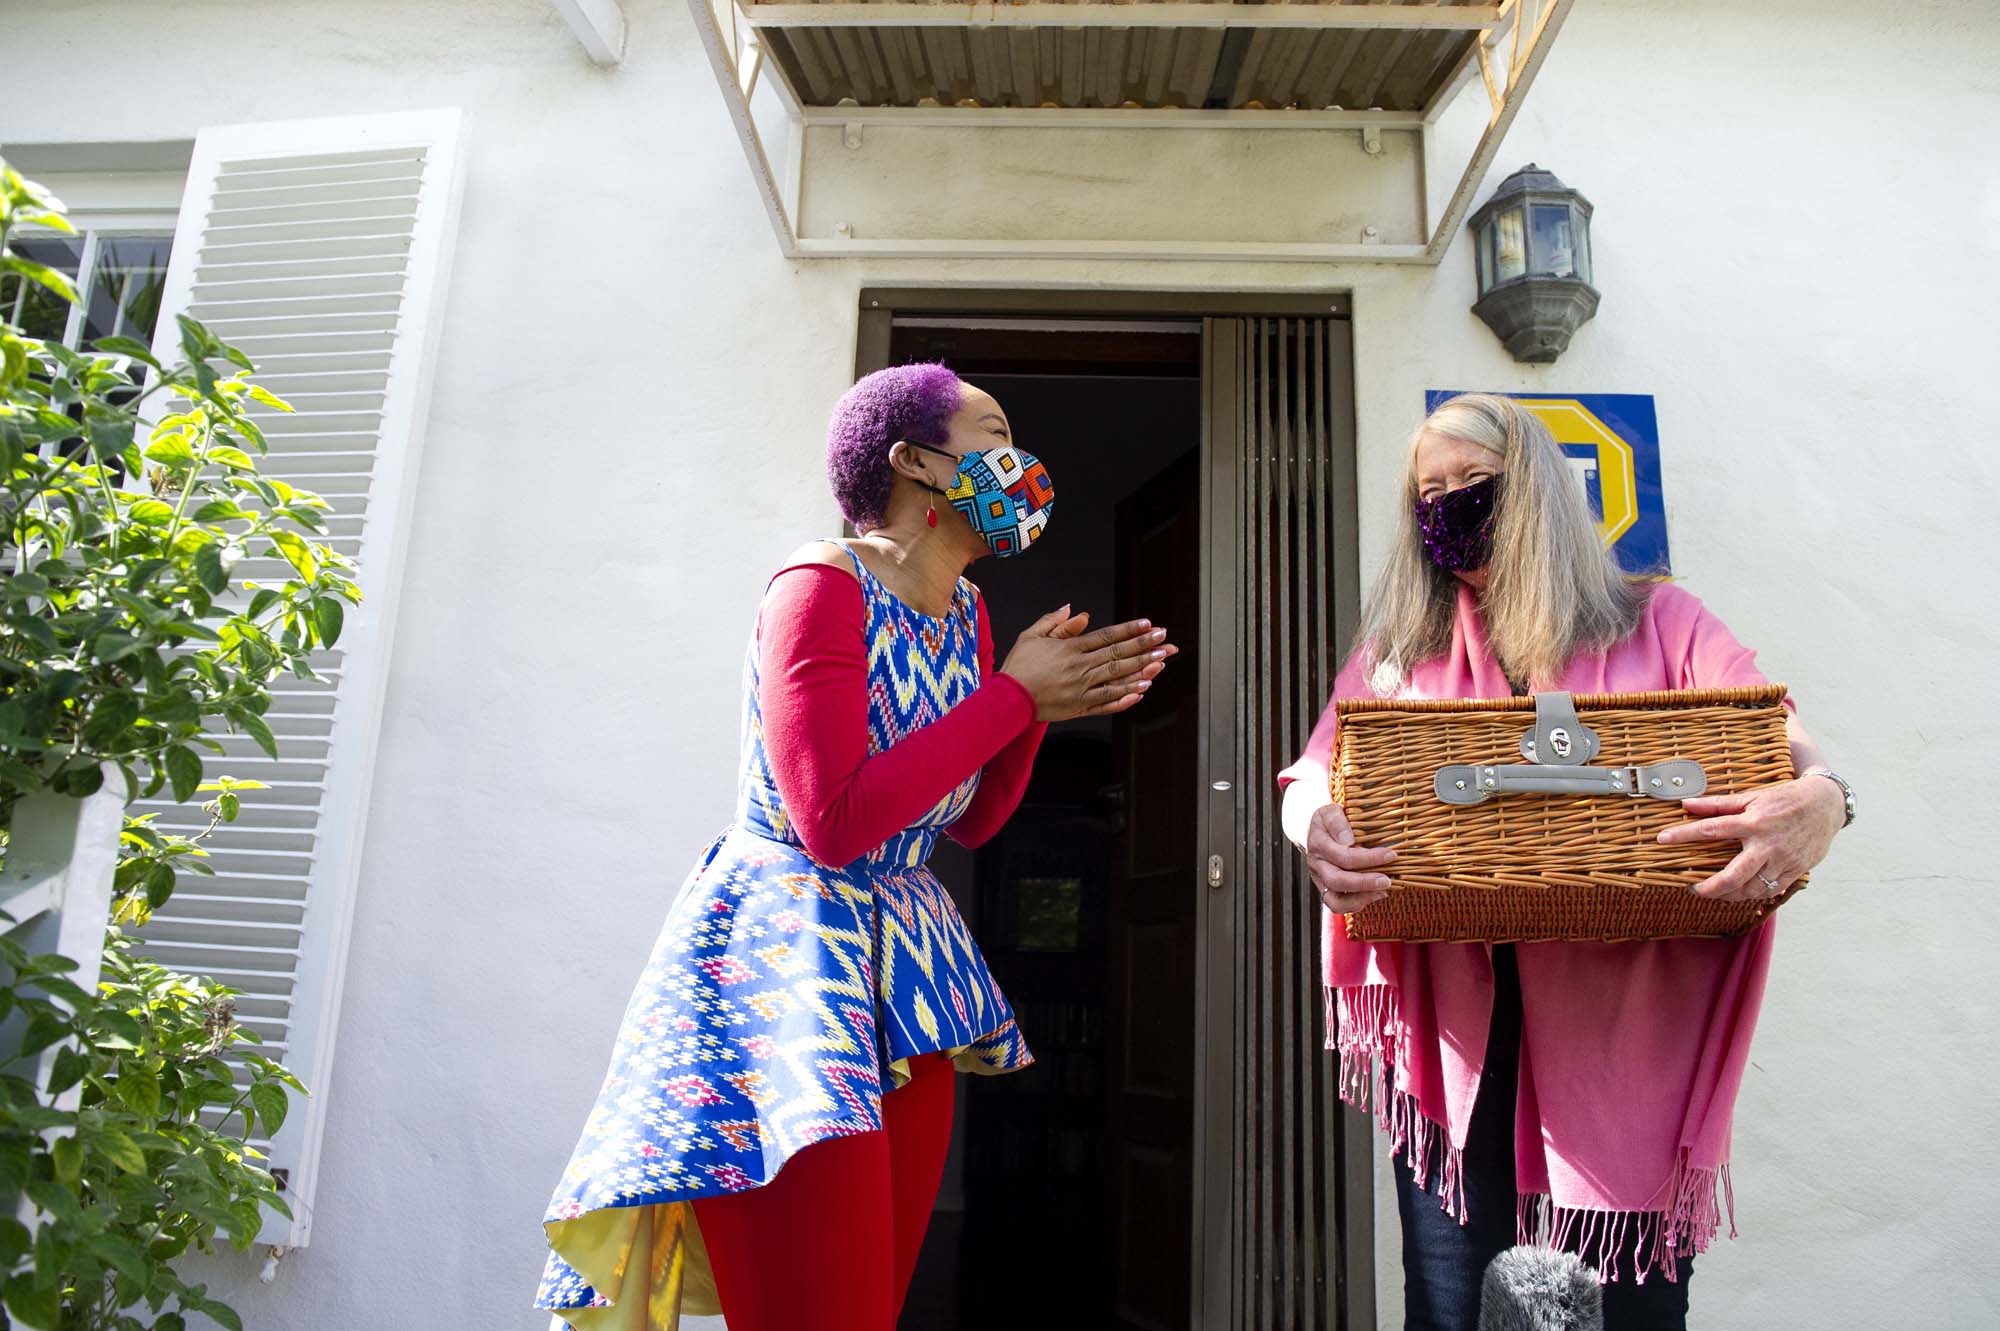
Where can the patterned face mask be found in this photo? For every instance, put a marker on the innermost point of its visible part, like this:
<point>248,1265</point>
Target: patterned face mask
<point>1004,493</point>
<point>1458,527</point>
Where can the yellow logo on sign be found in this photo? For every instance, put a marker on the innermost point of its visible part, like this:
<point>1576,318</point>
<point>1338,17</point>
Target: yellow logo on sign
<point>1576,426</point>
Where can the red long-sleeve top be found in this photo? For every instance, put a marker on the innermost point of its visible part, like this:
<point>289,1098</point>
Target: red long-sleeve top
<point>813,692</point>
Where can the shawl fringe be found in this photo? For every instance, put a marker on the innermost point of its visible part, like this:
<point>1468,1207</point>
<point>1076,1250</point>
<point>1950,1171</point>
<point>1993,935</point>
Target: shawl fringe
<point>1365,1029</point>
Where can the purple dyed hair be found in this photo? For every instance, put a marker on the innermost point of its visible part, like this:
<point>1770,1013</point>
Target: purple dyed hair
<point>904,402</point>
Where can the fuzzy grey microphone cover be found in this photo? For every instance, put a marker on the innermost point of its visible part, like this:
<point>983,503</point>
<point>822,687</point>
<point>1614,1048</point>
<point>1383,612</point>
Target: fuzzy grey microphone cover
<point>1539,1289</point>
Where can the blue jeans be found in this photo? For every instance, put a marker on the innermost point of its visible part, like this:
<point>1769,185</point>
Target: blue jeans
<point>1444,1261</point>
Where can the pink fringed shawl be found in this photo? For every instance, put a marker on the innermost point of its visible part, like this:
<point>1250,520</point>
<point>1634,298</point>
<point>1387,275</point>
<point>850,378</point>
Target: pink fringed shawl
<point>1631,1053</point>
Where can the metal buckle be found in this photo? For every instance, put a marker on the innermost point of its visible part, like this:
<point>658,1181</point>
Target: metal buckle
<point>1628,781</point>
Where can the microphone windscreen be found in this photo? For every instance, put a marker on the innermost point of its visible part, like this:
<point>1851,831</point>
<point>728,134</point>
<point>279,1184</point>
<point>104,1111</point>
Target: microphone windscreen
<point>1540,1289</point>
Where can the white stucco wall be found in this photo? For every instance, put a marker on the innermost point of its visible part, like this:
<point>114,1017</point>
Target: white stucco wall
<point>1798,241</point>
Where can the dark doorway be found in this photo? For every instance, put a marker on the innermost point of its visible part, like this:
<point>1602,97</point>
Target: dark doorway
<point>1068,1199</point>
<point>1178,1157</point>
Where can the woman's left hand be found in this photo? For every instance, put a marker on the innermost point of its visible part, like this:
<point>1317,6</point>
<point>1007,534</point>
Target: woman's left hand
<point>1784,830</point>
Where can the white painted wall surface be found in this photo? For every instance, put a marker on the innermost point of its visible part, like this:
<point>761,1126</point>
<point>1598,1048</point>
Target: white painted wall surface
<point>1798,241</point>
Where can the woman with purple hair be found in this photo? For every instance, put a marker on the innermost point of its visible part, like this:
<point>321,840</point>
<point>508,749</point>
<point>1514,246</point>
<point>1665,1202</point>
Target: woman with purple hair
<point>813,985</point>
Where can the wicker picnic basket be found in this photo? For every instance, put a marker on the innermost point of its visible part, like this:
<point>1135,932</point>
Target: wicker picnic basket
<point>1505,830</point>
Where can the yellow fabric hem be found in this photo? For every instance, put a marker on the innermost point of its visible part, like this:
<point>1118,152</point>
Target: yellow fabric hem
<point>649,1261</point>
<point>963,1058</point>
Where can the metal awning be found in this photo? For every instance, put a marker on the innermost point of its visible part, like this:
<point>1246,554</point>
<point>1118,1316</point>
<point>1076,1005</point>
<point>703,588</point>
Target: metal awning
<point>803,81</point>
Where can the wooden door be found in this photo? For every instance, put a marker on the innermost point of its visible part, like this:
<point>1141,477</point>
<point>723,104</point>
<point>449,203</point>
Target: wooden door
<point>1155,898</point>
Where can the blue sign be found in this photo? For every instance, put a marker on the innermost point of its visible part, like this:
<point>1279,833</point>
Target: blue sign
<point>1612,441</point>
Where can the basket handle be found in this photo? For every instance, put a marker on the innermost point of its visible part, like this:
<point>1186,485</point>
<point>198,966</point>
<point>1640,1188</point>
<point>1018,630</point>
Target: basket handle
<point>1471,783</point>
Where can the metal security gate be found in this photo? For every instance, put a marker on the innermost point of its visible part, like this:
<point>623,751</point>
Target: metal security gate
<point>1285,1196</point>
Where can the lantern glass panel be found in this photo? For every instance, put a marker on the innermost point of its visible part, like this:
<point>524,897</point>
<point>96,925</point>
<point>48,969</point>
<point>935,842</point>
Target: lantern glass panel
<point>1554,244</point>
<point>1482,255</point>
<point>1580,229</point>
<point>1510,246</point>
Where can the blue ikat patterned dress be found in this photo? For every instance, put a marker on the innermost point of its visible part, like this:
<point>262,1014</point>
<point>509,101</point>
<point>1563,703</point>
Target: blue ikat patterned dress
<point>782,1001</point>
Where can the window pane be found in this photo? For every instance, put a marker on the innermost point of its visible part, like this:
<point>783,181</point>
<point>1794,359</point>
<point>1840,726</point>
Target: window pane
<point>1511,259</point>
<point>124,296</point>
<point>40,312</point>
<point>1582,236</point>
<point>1555,254</point>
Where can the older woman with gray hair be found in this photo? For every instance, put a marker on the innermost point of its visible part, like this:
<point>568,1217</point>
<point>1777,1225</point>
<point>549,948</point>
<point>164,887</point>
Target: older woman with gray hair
<point>769,1140</point>
<point>1578,1094</point>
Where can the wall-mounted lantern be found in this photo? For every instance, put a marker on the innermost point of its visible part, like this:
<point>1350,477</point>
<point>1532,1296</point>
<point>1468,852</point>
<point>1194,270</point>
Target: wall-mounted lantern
<point>1532,243</point>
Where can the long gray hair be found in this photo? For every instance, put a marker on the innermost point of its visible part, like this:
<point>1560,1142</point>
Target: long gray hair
<point>1552,589</point>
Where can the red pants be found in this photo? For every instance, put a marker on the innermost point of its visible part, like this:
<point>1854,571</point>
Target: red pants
<point>831,1242</point>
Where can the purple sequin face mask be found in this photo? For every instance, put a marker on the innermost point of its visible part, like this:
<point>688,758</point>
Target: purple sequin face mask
<point>1458,527</point>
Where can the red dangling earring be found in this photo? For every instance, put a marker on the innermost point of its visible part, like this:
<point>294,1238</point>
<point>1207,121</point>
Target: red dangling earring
<point>931,513</point>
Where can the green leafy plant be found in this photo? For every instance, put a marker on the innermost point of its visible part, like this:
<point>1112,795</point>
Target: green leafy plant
<point>127,643</point>
<point>121,638</point>
<point>145,1169</point>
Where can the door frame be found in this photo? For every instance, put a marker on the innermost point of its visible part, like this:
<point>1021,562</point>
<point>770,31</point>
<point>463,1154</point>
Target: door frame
<point>1212,1288</point>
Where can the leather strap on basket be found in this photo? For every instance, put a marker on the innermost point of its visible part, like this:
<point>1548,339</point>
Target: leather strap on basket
<point>1557,736</point>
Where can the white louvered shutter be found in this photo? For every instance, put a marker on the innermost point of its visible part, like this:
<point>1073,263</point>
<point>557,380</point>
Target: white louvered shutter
<point>322,249</point>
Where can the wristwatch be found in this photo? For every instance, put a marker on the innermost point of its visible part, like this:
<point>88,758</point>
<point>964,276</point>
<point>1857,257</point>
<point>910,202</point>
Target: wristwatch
<point>1846,791</point>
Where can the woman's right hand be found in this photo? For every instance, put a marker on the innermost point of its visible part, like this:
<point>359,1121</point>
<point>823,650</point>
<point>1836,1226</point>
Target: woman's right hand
<point>1071,673</point>
<point>1344,874</point>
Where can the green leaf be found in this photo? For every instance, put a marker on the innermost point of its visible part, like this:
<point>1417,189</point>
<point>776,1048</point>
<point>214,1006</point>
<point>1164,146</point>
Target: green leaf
<point>121,1031</point>
<point>328,617</point>
<point>159,885</point>
<point>224,1315</point>
<point>126,346</point>
<point>31,1305</point>
<point>184,770</point>
<point>110,431</point>
<point>67,1071</point>
<point>228,805</point>
<point>112,716</point>
<point>209,570</point>
<point>120,1150</point>
<point>35,627</point>
<point>271,1103</point>
<point>14,1241</point>
<point>268,398</point>
<point>67,1154</point>
<point>220,510</point>
<point>80,782</point>
<point>172,451</point>
<point>232,457</point>
<point>111,647</point>
<point>42,1032</point>
<point>122,1257</point>
<point>140,1092</point>
<point>151,513</point>
<point>298,552</point>
<point>254,726</point>
<point>54,1198</point>
<point>41,274</point>
<point>176,708</point>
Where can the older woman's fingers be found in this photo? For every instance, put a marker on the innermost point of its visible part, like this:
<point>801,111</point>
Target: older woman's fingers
<point>1715,806</point>
<point>1343,904</point>
<point>1738,880</point>
<point>1320,844</point>
<point>1729,827</point>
